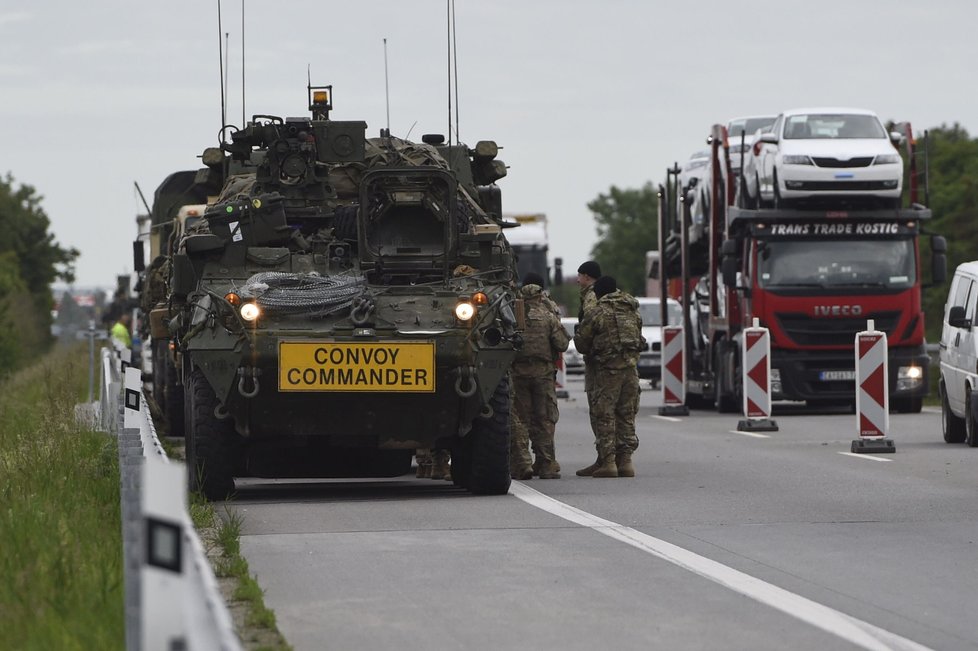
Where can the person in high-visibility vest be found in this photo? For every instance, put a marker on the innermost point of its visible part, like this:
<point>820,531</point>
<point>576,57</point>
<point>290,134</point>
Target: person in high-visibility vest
<point>120,331</point>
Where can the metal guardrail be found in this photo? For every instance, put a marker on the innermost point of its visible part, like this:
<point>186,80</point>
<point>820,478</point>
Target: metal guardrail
<point>172,600</point>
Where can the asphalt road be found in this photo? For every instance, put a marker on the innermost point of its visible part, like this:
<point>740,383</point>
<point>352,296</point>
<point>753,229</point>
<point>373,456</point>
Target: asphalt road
<point>722,541</point>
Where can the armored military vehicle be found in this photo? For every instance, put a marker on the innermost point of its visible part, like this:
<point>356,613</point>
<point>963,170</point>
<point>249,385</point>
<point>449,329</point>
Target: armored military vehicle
<point>344,302</point>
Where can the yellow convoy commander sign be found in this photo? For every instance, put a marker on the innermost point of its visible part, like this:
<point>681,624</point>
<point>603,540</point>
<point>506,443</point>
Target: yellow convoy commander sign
<point>353,366</point>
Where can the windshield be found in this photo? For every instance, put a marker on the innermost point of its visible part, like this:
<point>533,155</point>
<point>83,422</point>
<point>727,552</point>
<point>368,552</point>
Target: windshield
<point>650,313</point>
<point>748,127</point>
<point>824,126</point>
<point>885,264</point>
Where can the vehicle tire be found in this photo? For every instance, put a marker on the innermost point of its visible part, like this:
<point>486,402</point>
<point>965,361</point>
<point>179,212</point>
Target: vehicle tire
<point>211,443</point>
<point>726,392</point>
<point>487,447</point>
<point>758,200</point>
<point>908,405</point>
<point>970,427</point>
<point>461,463</point>
<point>173,398</point>
<point>953,427</point>
<point>779,203</point>
<point>159,350</point>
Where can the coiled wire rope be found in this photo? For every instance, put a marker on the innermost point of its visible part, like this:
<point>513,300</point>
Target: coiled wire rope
<point>308,294</point>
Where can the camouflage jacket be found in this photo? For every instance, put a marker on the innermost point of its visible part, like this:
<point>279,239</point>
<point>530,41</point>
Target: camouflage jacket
<point>611,334</point>
<point>588,301</point>
<point>544,337</point>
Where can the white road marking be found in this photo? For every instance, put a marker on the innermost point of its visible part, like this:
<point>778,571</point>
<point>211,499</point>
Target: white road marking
<point>865,456</point>
<point>754,434</point>
<point>671,419</point>
<point>855,631</point>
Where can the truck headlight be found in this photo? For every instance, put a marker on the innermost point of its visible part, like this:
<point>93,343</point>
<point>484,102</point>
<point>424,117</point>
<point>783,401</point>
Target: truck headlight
<point>250,312</point>
<point>464,311</point>
<point>909,377</point>
<point>775,381</point>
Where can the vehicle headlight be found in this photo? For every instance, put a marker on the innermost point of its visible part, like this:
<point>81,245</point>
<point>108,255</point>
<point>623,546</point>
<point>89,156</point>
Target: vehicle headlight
<point>464,311</point>
<point>887,159</point>
<point>792,159</point>
<point>909,377</point>
<point>250,312</point>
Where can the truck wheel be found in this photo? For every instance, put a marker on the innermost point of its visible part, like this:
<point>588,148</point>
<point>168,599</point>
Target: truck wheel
<point>970,427</point>
<point>954,429</point>
<point>487,447</point>
<point>173,398</point>
<point>159,373</point>
<point>211,443</point>
<point>726,391</point>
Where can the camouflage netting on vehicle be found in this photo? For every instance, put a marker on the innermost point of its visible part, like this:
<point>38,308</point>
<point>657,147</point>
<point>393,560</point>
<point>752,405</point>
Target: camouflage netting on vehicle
<point>294,294</point>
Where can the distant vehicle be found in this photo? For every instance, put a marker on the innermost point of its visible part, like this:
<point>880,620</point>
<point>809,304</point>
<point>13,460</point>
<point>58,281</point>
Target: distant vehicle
<point>740,135</point>
<point>573,360</point>
<point>530,243</point>
<point>959,355</point>
<point>834,155</point>
<point>650,359</point>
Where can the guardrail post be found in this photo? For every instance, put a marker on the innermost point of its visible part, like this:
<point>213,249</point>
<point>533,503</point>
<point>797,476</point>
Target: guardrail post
<point>756,381</point>
<point>872,392</point>
<point>673,360</point>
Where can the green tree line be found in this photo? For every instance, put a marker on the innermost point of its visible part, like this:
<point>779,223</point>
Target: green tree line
<point>30,260</point>
<point>626,219</point>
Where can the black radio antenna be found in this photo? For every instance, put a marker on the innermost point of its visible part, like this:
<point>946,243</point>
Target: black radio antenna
<point>227,70</point>
<point>448,16</point>
<point>220,60</point>
<point>242,65</point>
<point>387,89</point>
<point>455,61</point>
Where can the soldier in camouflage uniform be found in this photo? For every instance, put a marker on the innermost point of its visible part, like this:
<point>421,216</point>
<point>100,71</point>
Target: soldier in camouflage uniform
<point>587,274</point>
<point>534,388</point>
<point>611,335</point>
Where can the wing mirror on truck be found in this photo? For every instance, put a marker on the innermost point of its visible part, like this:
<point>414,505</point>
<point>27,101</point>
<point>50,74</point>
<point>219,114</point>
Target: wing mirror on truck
<point>728,262</point>
<point>956,317</point>
<point>138,257</point>
<point>938,259</point>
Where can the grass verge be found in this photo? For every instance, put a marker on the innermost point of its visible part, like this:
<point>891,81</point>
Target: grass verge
<point>221,536</point>
<point>61,581</point>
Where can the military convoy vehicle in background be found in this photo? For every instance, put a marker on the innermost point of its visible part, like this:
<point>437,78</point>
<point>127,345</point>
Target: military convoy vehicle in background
<point>343,302</point>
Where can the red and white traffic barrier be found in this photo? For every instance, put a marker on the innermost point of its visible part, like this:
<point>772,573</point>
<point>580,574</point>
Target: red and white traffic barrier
<point>673,361</point>
<point>872,392</point>
<point>756,356</point>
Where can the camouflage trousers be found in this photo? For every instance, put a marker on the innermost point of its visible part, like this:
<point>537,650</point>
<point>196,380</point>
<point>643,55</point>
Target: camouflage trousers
<point>533,420</point>
<point>613,401</point>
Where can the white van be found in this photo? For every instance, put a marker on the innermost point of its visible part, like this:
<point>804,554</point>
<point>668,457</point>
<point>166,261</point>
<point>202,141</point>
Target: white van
<point>959,355</point>
<point>650,359</point>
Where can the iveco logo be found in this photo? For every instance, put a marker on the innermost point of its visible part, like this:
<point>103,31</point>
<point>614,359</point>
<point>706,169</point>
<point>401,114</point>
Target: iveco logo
<point>838,310</point>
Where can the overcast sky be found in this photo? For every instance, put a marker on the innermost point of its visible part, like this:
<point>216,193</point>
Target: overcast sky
<point>581,95</point>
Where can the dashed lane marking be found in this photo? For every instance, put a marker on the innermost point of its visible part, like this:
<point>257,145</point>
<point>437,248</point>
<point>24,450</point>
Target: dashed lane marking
<point>855,631</point>
<point>865,456</point>
<point>756,435</point>
<point>671,419</point>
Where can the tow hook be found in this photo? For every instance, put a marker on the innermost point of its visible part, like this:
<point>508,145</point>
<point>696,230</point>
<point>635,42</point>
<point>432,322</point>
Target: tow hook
<point>468,373</point>
<point>243,373</point>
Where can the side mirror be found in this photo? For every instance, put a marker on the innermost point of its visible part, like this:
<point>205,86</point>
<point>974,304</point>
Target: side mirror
<point>138,256</point>
<point>938,244</point>
<point>769,138</point>
<point>896,138</point>
<point>728,262</point>
<point>956,318</point>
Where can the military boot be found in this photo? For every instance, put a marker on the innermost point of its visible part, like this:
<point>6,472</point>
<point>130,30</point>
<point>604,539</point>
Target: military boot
<point>608,468</point>
<point>624,463</point>
<point>549,470</point>
<point>587,472</point>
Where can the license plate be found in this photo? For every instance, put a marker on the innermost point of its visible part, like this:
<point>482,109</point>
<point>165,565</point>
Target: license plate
<point>647,361</point>
<point>400,367</point>
<point>836,375</point>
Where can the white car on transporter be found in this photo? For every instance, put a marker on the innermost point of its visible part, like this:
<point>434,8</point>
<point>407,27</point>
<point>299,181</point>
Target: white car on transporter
<point>836,156</point>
